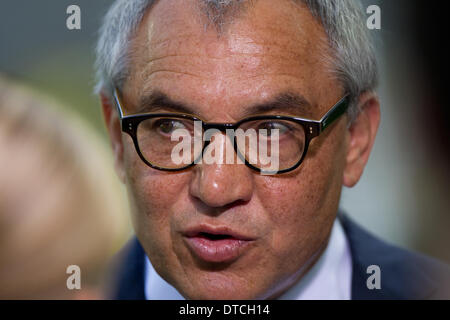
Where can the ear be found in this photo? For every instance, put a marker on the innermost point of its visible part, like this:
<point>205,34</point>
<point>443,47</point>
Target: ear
<point>112,122</point>
<point>361,137</point>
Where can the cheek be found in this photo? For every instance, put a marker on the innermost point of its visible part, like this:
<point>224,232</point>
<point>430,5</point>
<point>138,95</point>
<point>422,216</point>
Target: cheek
<point>302,207</point>
<point>292,201</point>
<point>153,195</point>
<point>291,206</point>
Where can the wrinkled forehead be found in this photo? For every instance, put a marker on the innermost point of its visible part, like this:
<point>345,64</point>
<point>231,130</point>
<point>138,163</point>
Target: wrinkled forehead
<point>267,41</point>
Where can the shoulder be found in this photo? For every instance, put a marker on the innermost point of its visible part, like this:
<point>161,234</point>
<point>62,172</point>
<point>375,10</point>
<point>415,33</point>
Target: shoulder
<point>404,274</point>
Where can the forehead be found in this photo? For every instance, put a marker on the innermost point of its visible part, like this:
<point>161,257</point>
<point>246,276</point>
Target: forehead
<point>270,47</point>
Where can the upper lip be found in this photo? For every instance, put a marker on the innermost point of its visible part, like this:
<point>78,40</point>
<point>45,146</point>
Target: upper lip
<point>216,230</point>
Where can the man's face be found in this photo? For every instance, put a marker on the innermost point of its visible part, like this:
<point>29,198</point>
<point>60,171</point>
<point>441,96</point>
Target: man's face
<point>273,47</point>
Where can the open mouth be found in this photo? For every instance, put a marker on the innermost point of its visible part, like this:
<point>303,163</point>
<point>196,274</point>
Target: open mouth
<point>213,237</point>
<point>215,245</point>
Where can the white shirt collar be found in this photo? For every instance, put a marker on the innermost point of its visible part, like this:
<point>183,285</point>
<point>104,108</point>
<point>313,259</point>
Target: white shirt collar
<point>329,279</point>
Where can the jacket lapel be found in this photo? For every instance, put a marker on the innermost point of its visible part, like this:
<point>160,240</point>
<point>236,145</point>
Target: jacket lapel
<point>403,273</point>
<point>131,281</point>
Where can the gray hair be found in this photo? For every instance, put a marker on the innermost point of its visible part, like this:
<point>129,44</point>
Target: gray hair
<point>353,55</point>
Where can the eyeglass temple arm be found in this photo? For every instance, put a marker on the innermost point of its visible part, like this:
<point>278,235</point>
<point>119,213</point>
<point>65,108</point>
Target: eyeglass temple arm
<point>338,110</point>
<point>118,104</point>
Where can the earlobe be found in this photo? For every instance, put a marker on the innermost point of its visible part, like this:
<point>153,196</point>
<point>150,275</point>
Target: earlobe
<point>361,138</point>
<point>112,123</point>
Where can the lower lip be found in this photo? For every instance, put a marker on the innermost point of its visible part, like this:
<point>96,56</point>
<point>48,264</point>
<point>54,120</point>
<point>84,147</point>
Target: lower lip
<point>225,250</point>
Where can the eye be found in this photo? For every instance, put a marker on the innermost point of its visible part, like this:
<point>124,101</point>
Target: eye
<point>268,126</point>
<point>168,126</point>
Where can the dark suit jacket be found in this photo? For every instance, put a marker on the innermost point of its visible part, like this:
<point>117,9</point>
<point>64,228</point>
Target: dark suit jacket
<point>404,275</point>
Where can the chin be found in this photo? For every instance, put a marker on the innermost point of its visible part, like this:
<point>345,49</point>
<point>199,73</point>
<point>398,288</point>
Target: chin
<point>224,295</point>
<point>221,291</point>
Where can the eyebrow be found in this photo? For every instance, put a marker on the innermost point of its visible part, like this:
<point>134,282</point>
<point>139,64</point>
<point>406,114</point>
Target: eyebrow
<point>287,102</point>
<point>158,100</point>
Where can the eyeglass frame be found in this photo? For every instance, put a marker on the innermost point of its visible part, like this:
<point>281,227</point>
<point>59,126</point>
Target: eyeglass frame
<point>312,129</point>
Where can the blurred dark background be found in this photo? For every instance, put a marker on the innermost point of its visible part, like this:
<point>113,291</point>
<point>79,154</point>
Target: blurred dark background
<point>404,194</point>
<point>39,50</point>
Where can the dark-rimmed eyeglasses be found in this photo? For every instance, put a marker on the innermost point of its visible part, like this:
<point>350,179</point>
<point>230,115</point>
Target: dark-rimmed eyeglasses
<point>153,138</point>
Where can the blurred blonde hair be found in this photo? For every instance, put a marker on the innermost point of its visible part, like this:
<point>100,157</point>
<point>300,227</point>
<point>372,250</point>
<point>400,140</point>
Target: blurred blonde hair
<point>60,201</point>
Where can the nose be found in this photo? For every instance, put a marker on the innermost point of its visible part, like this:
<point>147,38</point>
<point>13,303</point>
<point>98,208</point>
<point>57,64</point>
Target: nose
<point>217,183</point>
